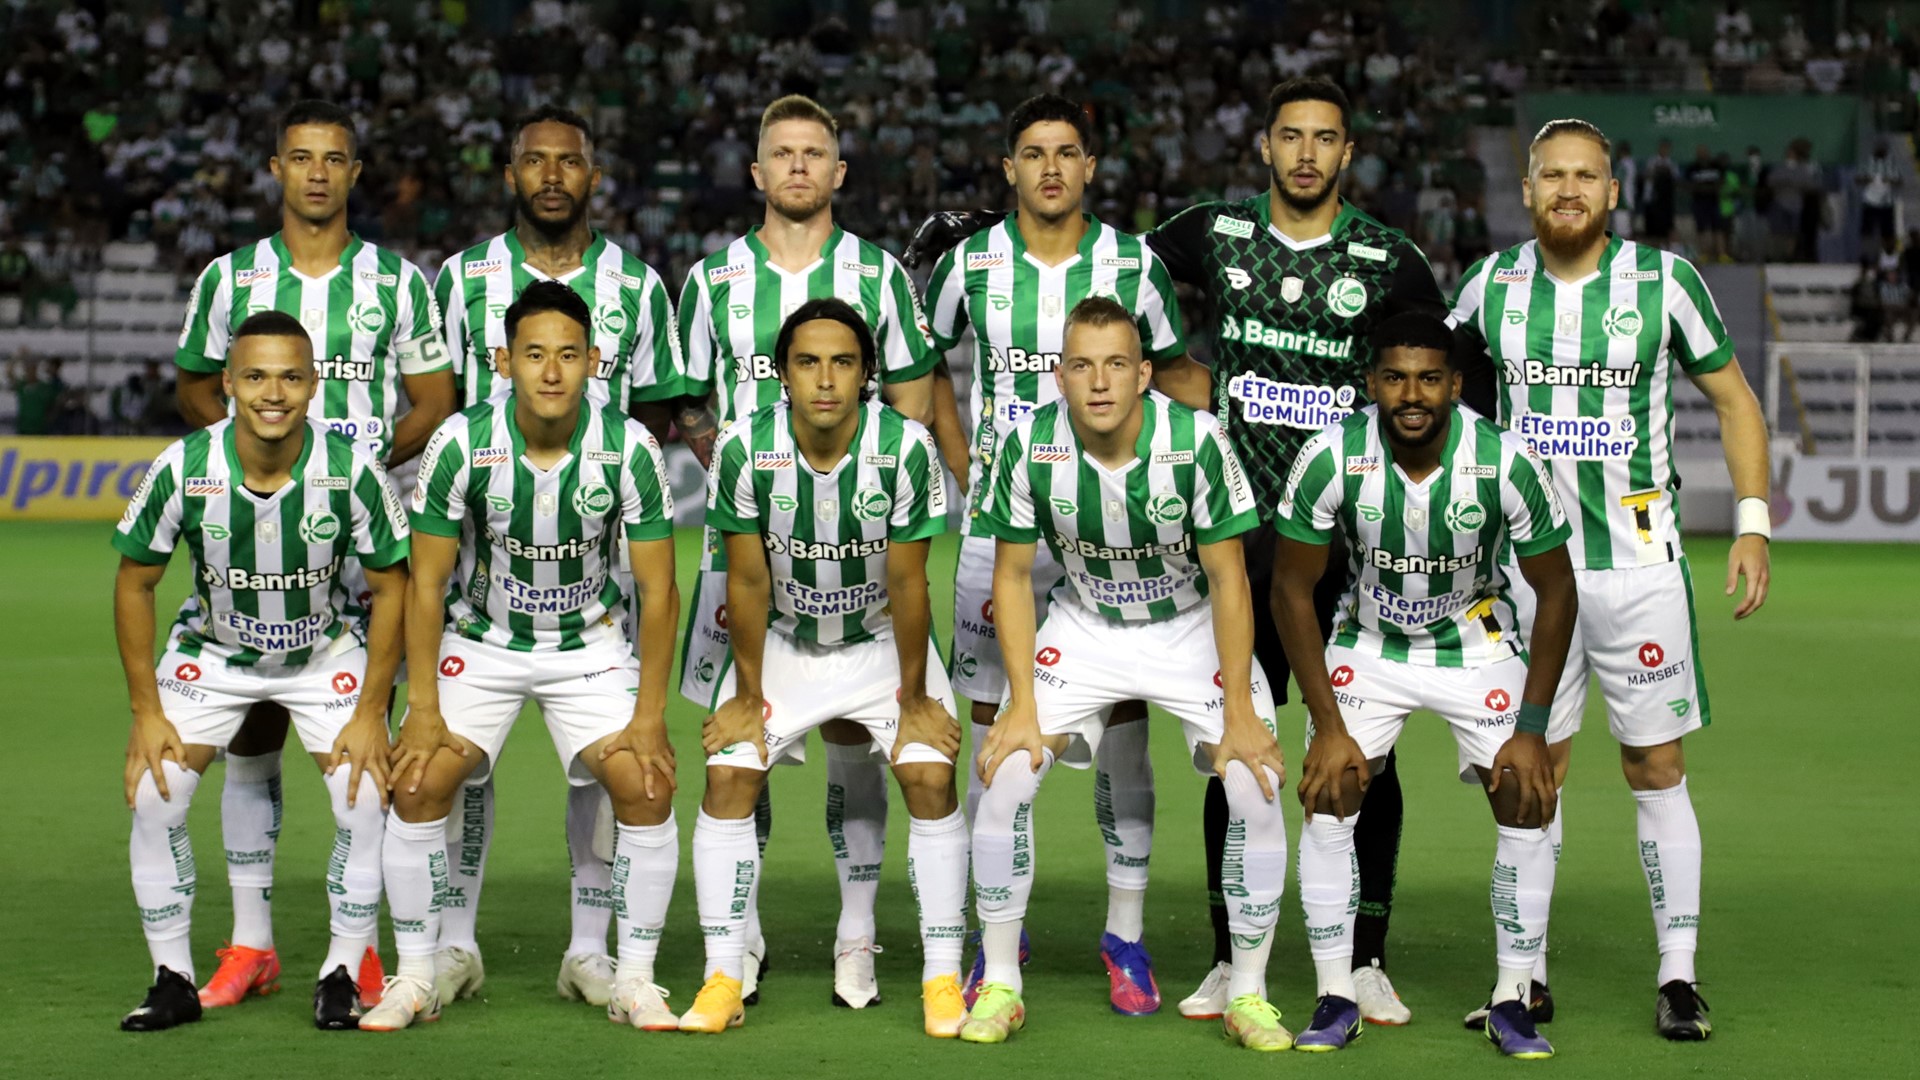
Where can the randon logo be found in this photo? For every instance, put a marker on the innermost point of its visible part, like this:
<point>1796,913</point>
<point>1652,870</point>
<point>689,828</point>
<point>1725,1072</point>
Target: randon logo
<point>1652,655</point>
<point>187,673</point>
<point>452,666</point>
<point>1342,676</point>
<point>1497,700</point>
<point>1047,657</point>
<point>344,682</point>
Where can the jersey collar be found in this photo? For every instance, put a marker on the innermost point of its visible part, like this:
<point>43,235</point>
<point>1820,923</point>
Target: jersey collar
<point>587,257</point>
<point>285,257</point>
<point>760,252</point>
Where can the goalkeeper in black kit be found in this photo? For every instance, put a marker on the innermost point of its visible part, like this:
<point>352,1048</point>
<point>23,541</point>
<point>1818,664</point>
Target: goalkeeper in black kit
<point>1294,278</point>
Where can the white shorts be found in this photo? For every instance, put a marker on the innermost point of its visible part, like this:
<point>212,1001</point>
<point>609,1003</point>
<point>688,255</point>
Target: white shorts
<point>1637,633</point>
<point>703,652</point>
<point>584,695</point>
<point>807,685</point>
<point>1083,664</point>
<point>1481,704</point>
<point>206,700</point>
<point>977,670</point>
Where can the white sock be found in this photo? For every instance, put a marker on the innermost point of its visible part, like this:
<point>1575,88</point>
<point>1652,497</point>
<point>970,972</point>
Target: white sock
<point>592,882</point>
<point>1253,874</point>
<point>161,855</point>
<point>250,809</point>
<point>974,786</point>
<point>469,833</point>
<point>1670,856</point>
<point>857,831</point>
<point>1123,807</point>
<point>646,859</point>
<point>414,862</point>
<point>1330,896</point>
<point>726,865</point>
<point>937,867</point>
<point>1522,892</point>
<point>1003,862</point>
<point>1554,834</point>
<point>353,871</point>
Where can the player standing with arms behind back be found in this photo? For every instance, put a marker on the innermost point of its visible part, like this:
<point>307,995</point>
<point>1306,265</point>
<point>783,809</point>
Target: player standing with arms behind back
<point>1586,331</point>
<point>732,307</point>
<point>1014,284</point>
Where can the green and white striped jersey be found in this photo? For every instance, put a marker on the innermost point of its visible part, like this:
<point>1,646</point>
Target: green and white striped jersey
<point>1427,586</point>
<point>372,320</point>
<point>540,550</point>
<point>1128,539</point>
<point>827,534</point>
<point>632,319</point>
<point>1018,309</point>
<point>266,569</point>
<point>733,303</point>
<point>1587,369</point>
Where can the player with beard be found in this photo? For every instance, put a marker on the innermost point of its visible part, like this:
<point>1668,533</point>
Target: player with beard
<point>1588,332</point>
<point>1295,277</point>
<point>553,179</point>
<point>731,310</point>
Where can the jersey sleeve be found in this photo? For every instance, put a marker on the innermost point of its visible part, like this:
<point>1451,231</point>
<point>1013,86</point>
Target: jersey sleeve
<point>697,344</point>
<point>449,295</point>
<point>1006,505</point>
<point>919,489</point>
<point>1162,335</point>
<point>658,370</point>
<point>1699,339</point>
<point>646,499</point>
<point>906,353</point>
<point>204,336</point>
<point>421,349</point>
<point>440,494</point>
<point>1223,503</point>
<point>1413,287</point>
<point>732,504</point>
<point>947,301</point>
<point>381,537</point>
<point>1536,522</point>
<point>1308,505</point>
<point>1181,243</point>
<point>150,527</point>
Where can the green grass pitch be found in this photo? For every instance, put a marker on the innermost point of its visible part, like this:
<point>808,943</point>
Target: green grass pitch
<point>1804,788</point>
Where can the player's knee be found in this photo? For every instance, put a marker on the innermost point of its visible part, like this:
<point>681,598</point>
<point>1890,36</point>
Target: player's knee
<point>731,792</point>
<point>1653,768</point>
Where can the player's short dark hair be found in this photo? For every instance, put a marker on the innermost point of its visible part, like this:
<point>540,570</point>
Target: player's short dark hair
<point>833,309</point>
<point>1042,108</point>
<point>1411,330</point>
<point>315,111</point>
<point>554,114</point>
<point>1309,88</point>
<point>1100,311</point>
<point>547,296</point>
<point>799,107</point>
<point>272,324</point>
<point>1571,125</point>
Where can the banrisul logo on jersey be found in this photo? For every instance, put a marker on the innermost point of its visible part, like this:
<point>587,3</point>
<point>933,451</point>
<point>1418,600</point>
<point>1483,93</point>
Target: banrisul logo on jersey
<point>871,504</point>
<point>1267,401</point>
<point>592,500</point>
<point>319,527</point>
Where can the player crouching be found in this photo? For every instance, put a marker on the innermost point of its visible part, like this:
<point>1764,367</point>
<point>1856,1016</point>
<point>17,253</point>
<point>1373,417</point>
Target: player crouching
<point>268,505</point>
<point>1143,502</point>
<point>826,501</point>
<point>526,496</point>
<point>1427,496</point>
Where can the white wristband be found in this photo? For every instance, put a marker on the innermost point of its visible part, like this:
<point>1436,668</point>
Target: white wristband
<point>1751,516</point>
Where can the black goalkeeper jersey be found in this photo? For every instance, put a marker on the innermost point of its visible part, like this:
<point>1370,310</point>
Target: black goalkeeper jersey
<point>1290,324</point>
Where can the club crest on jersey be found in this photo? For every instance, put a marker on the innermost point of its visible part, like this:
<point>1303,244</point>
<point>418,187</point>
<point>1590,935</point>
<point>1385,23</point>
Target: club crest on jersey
<point>1512,277</point>
<point>246,278</point>
<point>1064,507</point>
<point>483,267</point>
<point>863,269</point>
<point>486,456</point>
<point>610,321</point>
<point>1119,262</point>
<point>328,483</point>
<point>871,504</point>
<point>986,260</point>
<point>1622,322</point>
<point>1166,508</point>
<point>1240,279</point>
<point>319,527</point>
<point>1465,515</point>
<point>1050,453</point>
<point>592,500</point>
<point>826,509</point>
<point>366,318</point>
<point>602,457</point>
<point>1366,251</point>
<point>203,486</point>
<point>784,503</point>
<point>772,459</point>
<point>1346,297</point>
<point>1227,226</point>
<point>721,274</point>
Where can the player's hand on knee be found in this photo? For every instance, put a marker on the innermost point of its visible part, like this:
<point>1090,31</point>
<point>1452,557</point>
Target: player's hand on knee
<point>737,720</point>
<point>1016,729</point>
<point>421,737</point>
<point>1330,756</point>
<point>1525,757</point>
<point>926,721</point>
<point>1749,558</point>
<point>1254,746</point>
<point>648,743</point>
<point>152,740</point>
<point>363,744</point>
